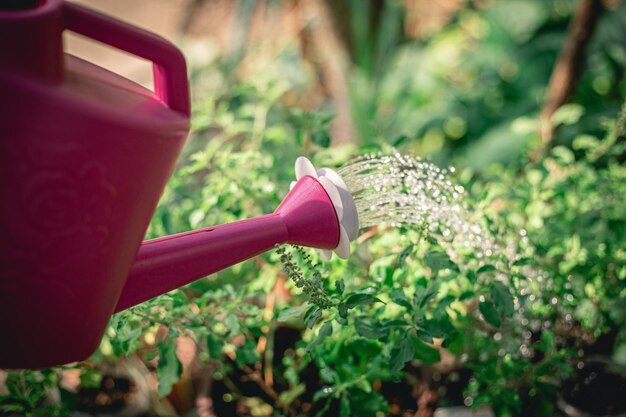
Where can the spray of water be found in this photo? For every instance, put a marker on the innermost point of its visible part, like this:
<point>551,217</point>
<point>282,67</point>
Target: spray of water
<point>401,190</point>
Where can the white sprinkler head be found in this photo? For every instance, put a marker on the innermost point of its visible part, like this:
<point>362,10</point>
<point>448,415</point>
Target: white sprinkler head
<point>341,198</point>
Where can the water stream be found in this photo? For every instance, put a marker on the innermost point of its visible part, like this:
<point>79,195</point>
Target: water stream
<point>402,190</point>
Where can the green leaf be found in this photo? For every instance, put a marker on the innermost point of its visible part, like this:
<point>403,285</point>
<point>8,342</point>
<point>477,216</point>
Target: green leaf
<point>291,313</point>
<point>288,396</point>
<point>437,327</point>
<point>522,261</point>
<point>325,331</point>
<point>401,354</point>
<point>400,140</point>
<point>422,296</point>
<point>321,138</point>
<point>370,328</point>
<point>490,314</point>
<point>312,315</point>
<point>169,368</point>
<point>249,309</point>
<point>10,408</point>
<point>424,336</point>
<point>425,353</point>
<point>438,260</point>
<point>567,114</point>
<point>90,378</point>
<point>399,297</point>
<point>502,298</point>
<point>585,142</point>
<point>127,333</point>
<point>471,275</point>
<point>356,299</point>
<point>342,308</point>
<point>467,295</point>
<point>247,353</point>
<point>215,344</point>
<point>341,286</point>
<point>14,390</point>
<point>395,323</point>
<point>344,407</point>
<point>454,343</point>
<point>232,323</point>
<point>366,402</point>
<point>405,253</point>
<point>548,341</point>
<point>486,268</point>
<point>565,155</point>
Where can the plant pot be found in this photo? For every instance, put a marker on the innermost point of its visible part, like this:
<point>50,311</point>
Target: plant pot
<point>597,390</point>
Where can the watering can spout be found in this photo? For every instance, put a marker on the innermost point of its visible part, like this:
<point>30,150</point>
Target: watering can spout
<point>308,216</point>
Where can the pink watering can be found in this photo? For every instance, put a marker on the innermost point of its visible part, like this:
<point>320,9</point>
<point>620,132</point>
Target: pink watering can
<point>84,157</point>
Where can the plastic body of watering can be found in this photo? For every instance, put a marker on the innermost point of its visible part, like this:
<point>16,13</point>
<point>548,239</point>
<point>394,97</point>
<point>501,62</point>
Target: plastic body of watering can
<point>84,157</point>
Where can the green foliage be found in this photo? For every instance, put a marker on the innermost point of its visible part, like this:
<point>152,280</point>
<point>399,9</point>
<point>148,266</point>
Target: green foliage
<point>169,369</point>
<point>29,395</point>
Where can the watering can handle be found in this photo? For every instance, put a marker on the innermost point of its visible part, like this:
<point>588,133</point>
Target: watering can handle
<point>170,71</point>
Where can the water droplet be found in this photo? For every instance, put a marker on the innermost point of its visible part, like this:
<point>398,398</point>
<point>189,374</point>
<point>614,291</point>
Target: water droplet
<point>525,351</point>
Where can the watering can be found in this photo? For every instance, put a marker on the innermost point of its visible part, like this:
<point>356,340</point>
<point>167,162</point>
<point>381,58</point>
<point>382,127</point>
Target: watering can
<point>84,157</point>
